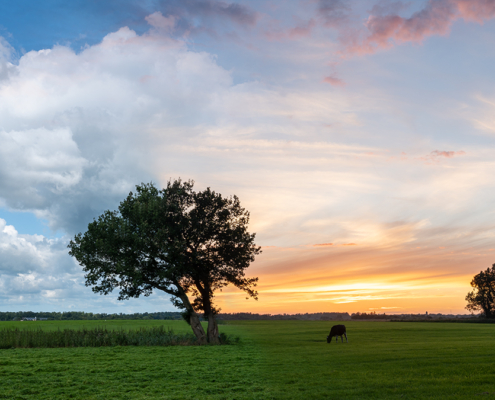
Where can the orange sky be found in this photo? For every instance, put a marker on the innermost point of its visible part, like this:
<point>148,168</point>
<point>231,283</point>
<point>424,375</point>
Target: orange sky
<point>353,278</point>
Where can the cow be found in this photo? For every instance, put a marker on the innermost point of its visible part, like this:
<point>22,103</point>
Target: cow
<point>337,330</point>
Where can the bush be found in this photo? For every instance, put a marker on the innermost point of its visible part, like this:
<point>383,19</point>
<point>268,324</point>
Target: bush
<point>158,336</point>
<point>226,339</point>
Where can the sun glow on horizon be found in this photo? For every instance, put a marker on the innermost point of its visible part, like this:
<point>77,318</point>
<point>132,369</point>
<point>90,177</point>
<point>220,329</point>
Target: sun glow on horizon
<point>306,280</point>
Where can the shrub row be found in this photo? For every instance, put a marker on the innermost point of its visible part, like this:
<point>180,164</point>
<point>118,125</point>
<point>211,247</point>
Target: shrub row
<point>97,337</point>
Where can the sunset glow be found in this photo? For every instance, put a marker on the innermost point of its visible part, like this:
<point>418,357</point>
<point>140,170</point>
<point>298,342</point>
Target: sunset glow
<point>359,135</point>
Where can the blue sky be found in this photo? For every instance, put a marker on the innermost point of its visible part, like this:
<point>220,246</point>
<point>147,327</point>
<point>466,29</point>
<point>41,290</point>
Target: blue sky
<point>359,134</point>
<point>34,25</point>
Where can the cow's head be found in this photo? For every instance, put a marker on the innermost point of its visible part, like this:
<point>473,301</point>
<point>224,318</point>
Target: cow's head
<point>329,339</point>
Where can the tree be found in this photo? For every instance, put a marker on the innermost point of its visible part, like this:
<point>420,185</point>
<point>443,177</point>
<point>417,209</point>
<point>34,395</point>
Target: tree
<point>185,243</point>
<point>482,297</point>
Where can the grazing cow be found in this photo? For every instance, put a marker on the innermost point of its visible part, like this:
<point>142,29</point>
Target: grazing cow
<point>337,330</point>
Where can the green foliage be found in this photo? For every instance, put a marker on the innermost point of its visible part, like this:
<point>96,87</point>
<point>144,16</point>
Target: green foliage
<point>176,240</point>
<point>482,297</point>
<point>186,316</point>
<point>371,315</point>
<point>229,339</point>
<point>96,337</point>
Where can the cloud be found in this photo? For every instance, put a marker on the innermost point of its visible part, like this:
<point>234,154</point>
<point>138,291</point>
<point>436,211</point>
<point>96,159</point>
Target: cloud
<point>6,50</point>
<point>158,21</point>
<point>238,13</point>
<point>215,18</point>
<point>76,126</point>
<point>482,114</point>
<point>436,155</point>
<point>334,12</point>
<point>80,129</point>
<point>331,244</point>
<point>385,28</point>
<point>37,274</point>
<point>334,81</point>
<point>400,267</point>
<point>38,158</point>
<point>7,53</point>
<point>207,11</point>
<point>447,154</point>
<point>352,279</point>
<point>385,7</point>
<point>301,30</point>
<point>21,253</point>
<point>476,10</point>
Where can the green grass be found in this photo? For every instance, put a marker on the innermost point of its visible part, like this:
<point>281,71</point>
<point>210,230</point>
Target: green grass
<point>381,361</point>
<point>274,360</point>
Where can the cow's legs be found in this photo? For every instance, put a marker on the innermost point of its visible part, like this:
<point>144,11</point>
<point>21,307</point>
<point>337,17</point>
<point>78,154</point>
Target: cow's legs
<point>345,338</point>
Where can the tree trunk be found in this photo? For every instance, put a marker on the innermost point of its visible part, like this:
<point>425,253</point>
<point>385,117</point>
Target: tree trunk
<point>194,320</point>
<point>209,311</point>
<point>210,315</point>
<point>212,330</point>
<point>198,328</point>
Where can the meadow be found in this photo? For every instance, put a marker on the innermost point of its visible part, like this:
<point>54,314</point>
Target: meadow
<point>274,360</point>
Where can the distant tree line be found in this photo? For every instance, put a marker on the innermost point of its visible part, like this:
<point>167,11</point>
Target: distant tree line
<point>372,315</point>
<point>414,317</point>
<point>285,317</point>
<point>171,315</point>
<point>166,315</point>
<point>81,315</point>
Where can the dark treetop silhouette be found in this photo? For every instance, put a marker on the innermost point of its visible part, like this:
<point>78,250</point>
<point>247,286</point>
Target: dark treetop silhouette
<point>188,244</point>
<point>482,297</point>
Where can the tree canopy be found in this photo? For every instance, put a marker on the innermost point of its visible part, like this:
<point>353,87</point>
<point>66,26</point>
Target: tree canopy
<point>482,297</point>
<point>185,243</point>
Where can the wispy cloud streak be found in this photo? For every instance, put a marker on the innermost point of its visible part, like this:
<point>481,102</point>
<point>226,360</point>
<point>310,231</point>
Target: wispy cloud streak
<point>384,28</point>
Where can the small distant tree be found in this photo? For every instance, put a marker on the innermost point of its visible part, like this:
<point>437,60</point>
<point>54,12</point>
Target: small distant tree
<point>482,297</point>
<point>185,243</point>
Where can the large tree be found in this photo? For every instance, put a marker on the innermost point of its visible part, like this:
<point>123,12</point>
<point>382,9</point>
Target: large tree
<point>482,297</point>
<point>185,243</point>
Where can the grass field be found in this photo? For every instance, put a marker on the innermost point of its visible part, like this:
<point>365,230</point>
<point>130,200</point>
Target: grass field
<point>275,360</point>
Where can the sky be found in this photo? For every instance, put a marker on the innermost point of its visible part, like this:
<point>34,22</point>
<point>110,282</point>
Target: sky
<point>359,135</point>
